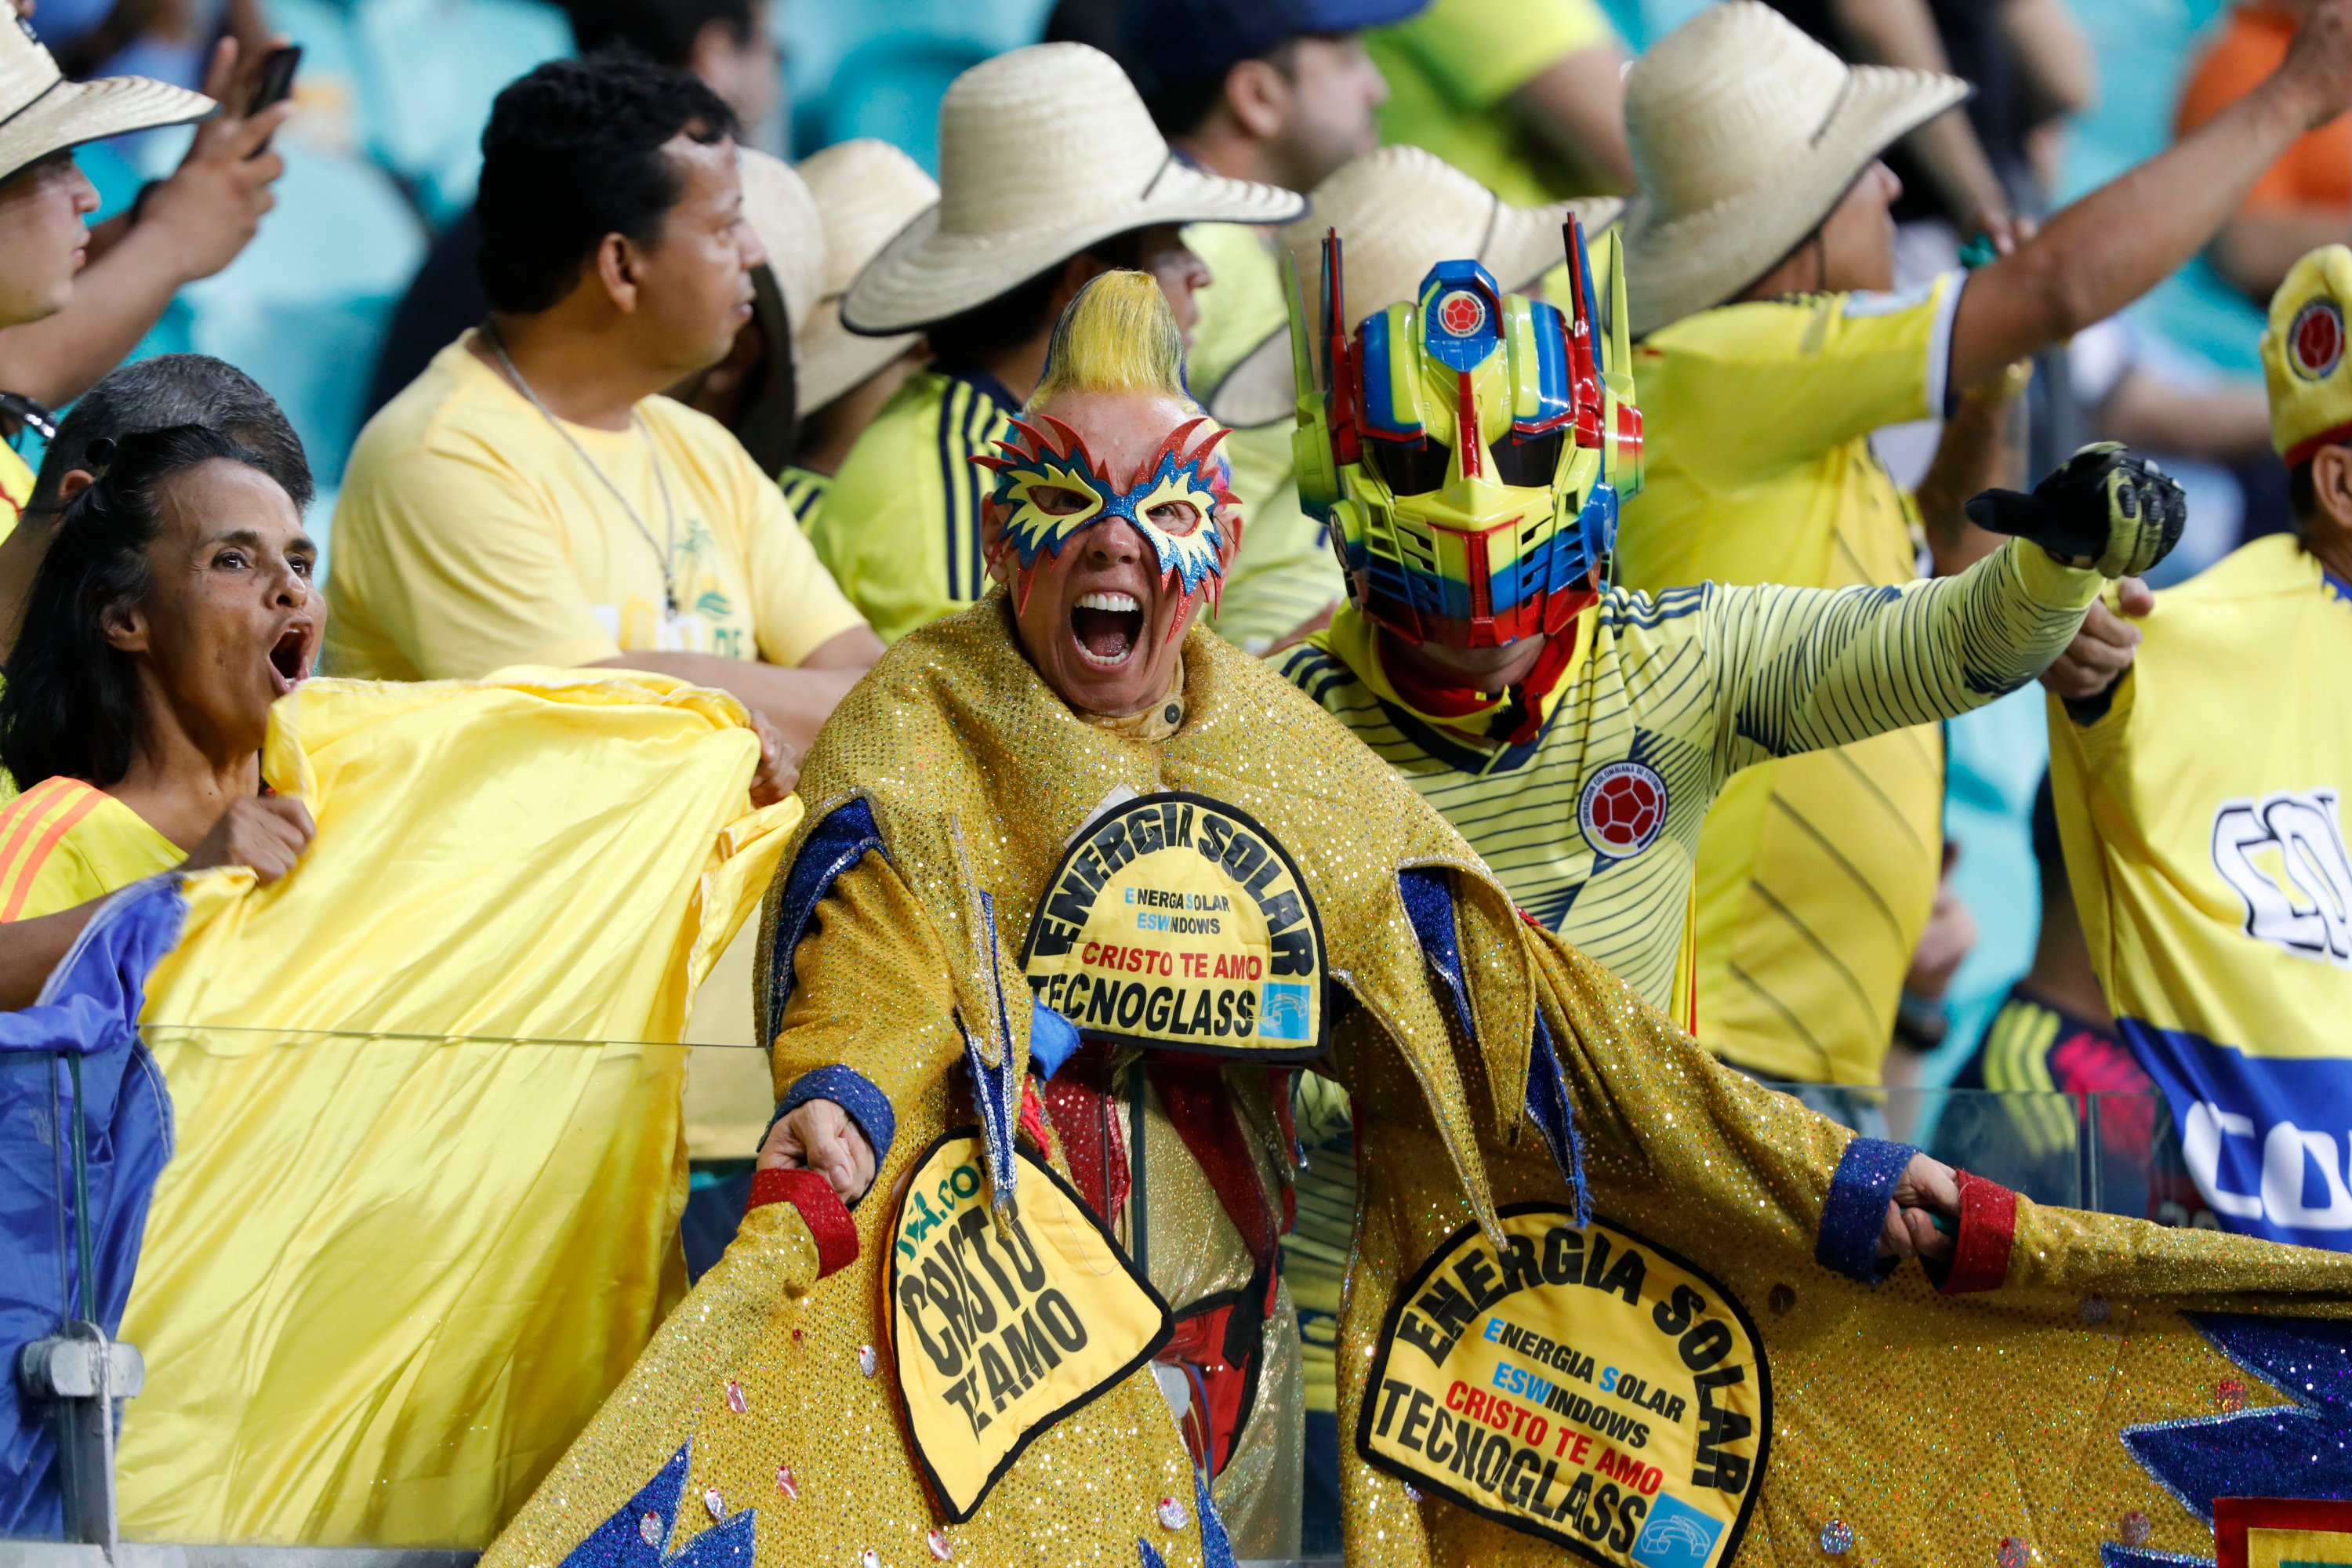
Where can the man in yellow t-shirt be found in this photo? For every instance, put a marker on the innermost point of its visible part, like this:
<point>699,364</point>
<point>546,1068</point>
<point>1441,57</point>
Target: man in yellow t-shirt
<point>1051,174</point>
<point>1524,96</point>
<point>1758,257</point>
<point>531,498</point>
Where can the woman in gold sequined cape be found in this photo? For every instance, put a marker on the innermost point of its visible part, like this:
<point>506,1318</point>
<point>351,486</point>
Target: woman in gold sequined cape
<point>1930,1428</point>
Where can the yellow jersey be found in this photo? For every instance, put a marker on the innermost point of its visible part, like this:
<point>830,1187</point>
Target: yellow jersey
<point>1815,874</point>
<point>2203,825</point>
<point>1450,71</point>
<point>805,491</point>
<point>1594,824</point>
<point>63,842</point>
<point>473,533</point>
<point>900,527</point>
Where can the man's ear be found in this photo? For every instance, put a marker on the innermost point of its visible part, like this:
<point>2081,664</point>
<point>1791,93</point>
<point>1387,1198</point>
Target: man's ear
<point>2331,488</point>
<point>616,268</point>
<point>1257,96</point>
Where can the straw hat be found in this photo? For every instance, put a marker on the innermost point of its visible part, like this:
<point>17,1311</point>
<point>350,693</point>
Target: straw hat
<point>781,211</point>
<point>867,191</point>
<point>1746,134</point>
<point>41,113</point>
<point>1043,152</point>
<point>1400,211</point>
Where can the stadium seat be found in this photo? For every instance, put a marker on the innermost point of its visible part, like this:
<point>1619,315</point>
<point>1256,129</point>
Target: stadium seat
<point>301,311</point>
<point>428,70</point>
<point>881,70</point>
<point>2145,49</point>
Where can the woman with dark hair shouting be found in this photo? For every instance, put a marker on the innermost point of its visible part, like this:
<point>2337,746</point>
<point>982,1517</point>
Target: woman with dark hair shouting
<point>174,607</point>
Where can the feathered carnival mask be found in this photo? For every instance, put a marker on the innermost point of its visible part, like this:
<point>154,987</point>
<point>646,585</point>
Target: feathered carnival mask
<point>1117,336</point>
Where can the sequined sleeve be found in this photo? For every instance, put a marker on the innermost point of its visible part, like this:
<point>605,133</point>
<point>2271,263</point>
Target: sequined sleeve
<point>1804,668</point>
<point>870,990</point>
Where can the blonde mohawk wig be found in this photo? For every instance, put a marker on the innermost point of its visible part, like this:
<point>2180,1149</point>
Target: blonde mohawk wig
<point>1117,336</point>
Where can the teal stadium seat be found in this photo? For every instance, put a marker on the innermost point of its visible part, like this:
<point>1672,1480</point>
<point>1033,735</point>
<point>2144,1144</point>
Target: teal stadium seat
<point>302,310</point>
<point>429,70</point>
<point>2145,49</point>
<point>881,70</point>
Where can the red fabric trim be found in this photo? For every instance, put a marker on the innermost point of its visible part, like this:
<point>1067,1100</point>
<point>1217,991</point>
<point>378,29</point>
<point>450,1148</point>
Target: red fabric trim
<point>2234,1516</point>
<point>821,1209</point>
<point>1988,1232</point>
<point>2303,451</point>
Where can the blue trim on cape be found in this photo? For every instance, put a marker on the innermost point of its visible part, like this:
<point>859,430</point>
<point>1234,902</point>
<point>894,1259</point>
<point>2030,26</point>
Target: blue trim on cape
<point>1429,904</point>
<point>857,1096</point>
<point>839,843</point>
<point>1854,1216</point>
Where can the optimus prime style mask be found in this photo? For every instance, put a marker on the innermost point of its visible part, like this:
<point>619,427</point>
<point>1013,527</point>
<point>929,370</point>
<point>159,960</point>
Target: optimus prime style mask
<point>1468,449</point>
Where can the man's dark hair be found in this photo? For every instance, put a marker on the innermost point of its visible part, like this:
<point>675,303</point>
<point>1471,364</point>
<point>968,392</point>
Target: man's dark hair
<point>72,707</point>
<point>1023,311</point>
<point>573,152</point>
<point>662,31</point>
<point>168,390</point>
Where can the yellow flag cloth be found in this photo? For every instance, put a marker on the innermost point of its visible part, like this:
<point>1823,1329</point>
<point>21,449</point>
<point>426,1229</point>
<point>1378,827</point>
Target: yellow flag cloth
<point>390,1272</point>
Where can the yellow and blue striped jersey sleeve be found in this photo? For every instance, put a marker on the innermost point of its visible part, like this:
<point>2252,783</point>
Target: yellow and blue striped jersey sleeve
<point>805,491</point>
<point>900,527</point>
<point>1593,825</point>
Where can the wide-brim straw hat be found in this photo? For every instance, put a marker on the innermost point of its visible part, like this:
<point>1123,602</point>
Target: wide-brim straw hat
<point>1043,152</point>
<point>1746,134</point>
<point>783,215</point>
<point>41,113</point>
<point>1400,211</point>
<point>867,191</point>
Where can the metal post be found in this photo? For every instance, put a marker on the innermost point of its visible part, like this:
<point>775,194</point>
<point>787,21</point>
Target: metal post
<point>81,1373</point>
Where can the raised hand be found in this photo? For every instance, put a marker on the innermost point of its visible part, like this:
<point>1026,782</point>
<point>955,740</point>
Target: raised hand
<point>2101,509</point>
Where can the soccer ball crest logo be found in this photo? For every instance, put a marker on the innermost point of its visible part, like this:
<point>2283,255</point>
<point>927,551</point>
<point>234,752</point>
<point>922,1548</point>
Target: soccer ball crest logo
<point>1622,809</point>
<point>1461,313</point>
<point>2315,340</point>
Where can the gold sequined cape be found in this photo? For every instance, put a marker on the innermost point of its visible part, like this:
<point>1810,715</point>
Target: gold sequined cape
<point>1936,1429</point>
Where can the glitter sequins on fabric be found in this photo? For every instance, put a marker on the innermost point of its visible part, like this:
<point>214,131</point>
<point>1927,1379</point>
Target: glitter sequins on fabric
<point>633,1536</point>
<point>2299,1449</point>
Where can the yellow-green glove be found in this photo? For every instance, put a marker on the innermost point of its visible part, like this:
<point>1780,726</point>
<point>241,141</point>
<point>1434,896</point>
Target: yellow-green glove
<point>2120,513</point>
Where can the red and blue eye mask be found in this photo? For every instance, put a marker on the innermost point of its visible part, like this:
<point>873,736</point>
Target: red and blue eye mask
<point>1048,492</point>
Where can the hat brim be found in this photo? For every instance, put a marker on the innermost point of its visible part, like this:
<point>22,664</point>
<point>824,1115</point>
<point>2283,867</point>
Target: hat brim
<point>926,274</point>
<point>1523,245</point>
<point>1677,266</point>
<point>834,360</point>
<point>71,114</point>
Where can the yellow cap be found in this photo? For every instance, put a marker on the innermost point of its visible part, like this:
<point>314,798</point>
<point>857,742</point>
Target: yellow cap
<point>2302,356</point>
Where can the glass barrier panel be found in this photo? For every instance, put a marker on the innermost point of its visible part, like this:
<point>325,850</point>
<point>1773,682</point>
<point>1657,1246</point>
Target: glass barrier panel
<point>384,1279</point>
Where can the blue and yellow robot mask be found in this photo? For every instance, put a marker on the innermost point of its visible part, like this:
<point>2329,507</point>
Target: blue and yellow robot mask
<point>1468,449</point>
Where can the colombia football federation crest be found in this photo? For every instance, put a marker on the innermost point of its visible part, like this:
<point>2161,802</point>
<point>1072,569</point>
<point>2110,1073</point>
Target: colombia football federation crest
<point>1177,921</point>
<point>1621,809</point>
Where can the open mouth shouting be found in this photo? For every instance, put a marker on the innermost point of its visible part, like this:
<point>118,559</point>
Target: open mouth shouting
<point>291,655</point>
<point>1106,627</point>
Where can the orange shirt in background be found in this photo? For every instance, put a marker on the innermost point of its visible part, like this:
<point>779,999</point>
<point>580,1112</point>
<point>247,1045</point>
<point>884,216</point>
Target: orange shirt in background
<point>2317,171</point>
